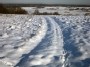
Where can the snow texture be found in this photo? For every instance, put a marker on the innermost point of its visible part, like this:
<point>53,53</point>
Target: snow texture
<point>44,41</point>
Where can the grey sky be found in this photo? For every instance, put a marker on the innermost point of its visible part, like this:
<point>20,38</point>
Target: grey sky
<point>82,2</point>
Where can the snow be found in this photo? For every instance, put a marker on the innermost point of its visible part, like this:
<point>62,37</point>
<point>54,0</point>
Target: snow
<point>44,41</point>
<point>79,26</point>
<point>74,11</point>
<point>25,46</point>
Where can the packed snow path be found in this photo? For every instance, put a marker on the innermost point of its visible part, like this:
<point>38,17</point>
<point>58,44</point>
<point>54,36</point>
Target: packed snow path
<point>43,45</point>
<point>49,52</point>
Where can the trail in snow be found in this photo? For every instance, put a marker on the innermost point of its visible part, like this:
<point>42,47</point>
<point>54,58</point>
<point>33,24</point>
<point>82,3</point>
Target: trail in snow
<point>75,30</point>
<point>49,52</point>
<point>42,41</point>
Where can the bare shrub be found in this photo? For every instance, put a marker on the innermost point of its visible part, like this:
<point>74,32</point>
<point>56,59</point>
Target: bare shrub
<point>12,10</point>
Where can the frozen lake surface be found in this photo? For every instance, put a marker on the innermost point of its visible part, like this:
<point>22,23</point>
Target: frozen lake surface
<point>44,41</point>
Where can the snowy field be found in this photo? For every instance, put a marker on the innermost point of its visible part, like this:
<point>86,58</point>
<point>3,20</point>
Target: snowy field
<point>44,41</point>
<point>60,10</point>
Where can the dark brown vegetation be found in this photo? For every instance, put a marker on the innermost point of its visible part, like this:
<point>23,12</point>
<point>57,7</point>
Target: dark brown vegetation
<point>82,9</point>
<point>87,14</point>
<point>12,10</point>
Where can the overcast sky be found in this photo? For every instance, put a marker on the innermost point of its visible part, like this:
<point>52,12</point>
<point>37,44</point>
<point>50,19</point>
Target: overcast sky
<point>84,2</point>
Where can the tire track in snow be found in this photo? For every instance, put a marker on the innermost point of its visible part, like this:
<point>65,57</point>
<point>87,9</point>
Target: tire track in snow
<point>49,50</point>
<point>39,48</point>
<point>40,36</point>
<point>58,40</point>
<point>29,45</point>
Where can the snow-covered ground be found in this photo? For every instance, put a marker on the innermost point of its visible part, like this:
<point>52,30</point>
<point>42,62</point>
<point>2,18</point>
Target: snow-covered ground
<point>60,10</point>
<point>44,41</point>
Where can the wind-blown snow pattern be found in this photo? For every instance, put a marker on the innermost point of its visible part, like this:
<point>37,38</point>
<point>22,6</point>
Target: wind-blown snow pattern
<point>44,41</point>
